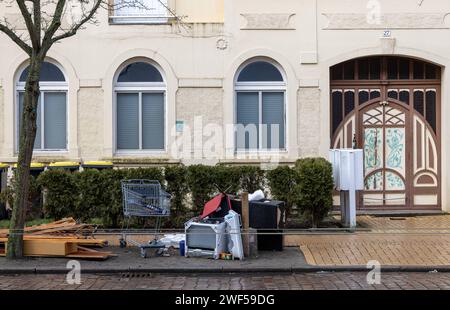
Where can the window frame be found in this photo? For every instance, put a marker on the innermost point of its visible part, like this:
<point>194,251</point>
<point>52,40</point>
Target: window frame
<point>145,19</point>
<point>44,87</point>
<point>139,88</point>
<point>260,88</point>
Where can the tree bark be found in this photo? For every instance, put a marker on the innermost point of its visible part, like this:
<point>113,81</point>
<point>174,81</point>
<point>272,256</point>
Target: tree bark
<point>26,144</point>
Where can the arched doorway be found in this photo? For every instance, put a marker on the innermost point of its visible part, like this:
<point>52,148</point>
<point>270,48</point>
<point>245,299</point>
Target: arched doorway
<point>390,107</point>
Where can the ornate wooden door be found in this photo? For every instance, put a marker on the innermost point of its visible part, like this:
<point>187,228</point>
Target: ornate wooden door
<point>390,107</point>
<point>384,137</point>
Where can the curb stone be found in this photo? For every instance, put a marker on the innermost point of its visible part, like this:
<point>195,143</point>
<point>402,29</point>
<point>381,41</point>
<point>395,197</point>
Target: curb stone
<point>222,270</point>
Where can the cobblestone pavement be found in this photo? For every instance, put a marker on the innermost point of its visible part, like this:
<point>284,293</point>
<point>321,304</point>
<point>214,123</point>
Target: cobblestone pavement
<point>300,281</point>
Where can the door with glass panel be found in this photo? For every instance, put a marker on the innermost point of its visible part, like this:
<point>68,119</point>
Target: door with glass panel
<point>384,136</point>
<point>390,107</point>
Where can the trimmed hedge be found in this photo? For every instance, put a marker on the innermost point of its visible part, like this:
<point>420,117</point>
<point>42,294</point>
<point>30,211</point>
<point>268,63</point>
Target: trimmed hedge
<point>177,186</point>
<point>282,182</point>
<point>314,190</point>
<point>97,194</point>
<point>93,194</point>
<point>201,185</point>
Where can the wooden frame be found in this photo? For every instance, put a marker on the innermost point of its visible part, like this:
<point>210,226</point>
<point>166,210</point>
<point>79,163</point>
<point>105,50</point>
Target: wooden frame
<point>384,84</point>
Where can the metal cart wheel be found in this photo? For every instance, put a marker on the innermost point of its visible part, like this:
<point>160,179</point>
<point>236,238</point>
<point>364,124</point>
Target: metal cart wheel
<point>160,252</point>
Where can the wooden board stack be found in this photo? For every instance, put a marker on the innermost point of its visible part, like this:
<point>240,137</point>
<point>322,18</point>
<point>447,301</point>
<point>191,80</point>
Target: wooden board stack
<point>64,238</point>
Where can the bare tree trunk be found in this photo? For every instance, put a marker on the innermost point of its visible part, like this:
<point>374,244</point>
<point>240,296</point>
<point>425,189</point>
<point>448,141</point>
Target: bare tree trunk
<point>26,144</point>
<point>41,39</point>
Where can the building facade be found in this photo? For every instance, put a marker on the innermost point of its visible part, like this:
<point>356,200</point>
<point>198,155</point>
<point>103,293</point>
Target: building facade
<point>171,85</point>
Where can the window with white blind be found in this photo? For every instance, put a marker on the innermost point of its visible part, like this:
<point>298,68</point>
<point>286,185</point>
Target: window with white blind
<point>139,12</point>
<point>260,106</point>
<point>140,94</point>
<point>51,119</point>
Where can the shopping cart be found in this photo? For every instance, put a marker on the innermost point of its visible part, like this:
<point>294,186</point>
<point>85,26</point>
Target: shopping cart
<point>144,198</point>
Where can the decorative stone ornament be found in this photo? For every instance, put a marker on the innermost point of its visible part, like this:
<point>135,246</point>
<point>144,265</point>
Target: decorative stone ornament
<point>340,21</point>
<point>222,44</point>
<point>387,45</point>
<point>268,21</point>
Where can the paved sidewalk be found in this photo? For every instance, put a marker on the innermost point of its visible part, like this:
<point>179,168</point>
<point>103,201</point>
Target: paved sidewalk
<point>398,245</point>
<point>405,224</point>
<point>291,281</point>
<point>359,249</point>
<point>130,260</point>
<point>392,241</point>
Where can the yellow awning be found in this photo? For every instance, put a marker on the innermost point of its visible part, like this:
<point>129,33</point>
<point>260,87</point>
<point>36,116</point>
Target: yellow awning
<point>3,166</point>
<point>64,164</point>
<point>97,164</point>
<point>33,166</point>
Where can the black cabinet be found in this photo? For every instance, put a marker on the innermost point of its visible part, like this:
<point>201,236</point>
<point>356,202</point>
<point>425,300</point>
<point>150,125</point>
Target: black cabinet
<point>264,213</point>
<point>267,216</point>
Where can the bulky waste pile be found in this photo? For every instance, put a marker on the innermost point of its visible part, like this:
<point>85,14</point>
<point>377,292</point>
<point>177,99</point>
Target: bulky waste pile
<point>63,238</point>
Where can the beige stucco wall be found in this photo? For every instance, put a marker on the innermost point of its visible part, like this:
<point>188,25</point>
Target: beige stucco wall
<point>199,61</point>
<point>201,11</point>
<point>1,110</point>
<point>199,110</point>
<point>90,119</point>
<point>308,121</point>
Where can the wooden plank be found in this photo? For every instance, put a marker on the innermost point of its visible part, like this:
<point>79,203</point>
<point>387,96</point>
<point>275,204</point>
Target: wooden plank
<point>84,249</point>
<point>59,229</point>
<point>62,223</point>
<point>99,242</point>
<point>81,248</point>
<point>89,255</point>
<point>59,238</point>
<point>62,227</point>
<point>47,247</point>
<point>245,224</point>
<point>74,252</point>
<point>68,222</point>
<point>56,238</point>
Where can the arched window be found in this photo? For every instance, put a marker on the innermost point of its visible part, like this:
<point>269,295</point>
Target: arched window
<point>51,133</point>
<point>260,106</point>
<point>140,94</point>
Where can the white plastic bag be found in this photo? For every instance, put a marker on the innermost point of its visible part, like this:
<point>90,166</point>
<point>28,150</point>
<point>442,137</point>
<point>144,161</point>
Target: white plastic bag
<point>258,195</point>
